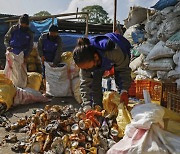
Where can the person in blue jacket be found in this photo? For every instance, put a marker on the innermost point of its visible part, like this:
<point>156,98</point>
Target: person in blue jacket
<point>19,38</point>
<point>50,48</point>
<point>94,56</point>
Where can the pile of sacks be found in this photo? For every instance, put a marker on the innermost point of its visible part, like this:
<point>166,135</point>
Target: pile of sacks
<point>159,54</point>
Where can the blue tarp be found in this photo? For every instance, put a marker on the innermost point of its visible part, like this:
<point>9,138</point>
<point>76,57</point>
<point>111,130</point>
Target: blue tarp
<point>39,27</point>
<point>161,4</point>
<point>3,28</point>
<point>69,40</point>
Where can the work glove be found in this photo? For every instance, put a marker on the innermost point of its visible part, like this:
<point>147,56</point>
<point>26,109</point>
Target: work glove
<point>124,97</point>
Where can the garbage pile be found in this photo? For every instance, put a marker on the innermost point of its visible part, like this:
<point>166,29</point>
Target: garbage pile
<point>64,129</point>
<point>159,51</point>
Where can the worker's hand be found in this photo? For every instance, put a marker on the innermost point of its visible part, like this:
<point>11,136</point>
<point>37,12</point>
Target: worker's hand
<point>124,97</point>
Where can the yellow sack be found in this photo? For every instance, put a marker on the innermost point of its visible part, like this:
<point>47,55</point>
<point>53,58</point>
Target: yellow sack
<point>67,57</point>
<point>171,121</point>
<point>31,67</point>
<point>7,91</point>
<point>111,101</point>
<point>34,80</point>
<point>1,71</point>
<point>31,59</point>
<point>122,119</point>
<point>34,52</point>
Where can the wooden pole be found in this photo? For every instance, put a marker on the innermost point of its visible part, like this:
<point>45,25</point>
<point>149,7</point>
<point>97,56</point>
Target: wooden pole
<point>86,31</point>
<point>115,8</point>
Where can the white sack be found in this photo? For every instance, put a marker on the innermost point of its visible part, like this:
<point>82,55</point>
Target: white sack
<point>162,75</point>
<point>136,62</point>
<point>167,10</point>
<point>160,51</point>
<point>174,41</point>
<point>148,73</point>
<point>165,64</point>
<point>177,7</point>
<point>136,15</point>
<point>153,40</point>
<point>28,96</point>
<point>16,69</point>
<point>167,29</point>
<point>145,48</point>
<point>176,58</point>
<point>128,33</point>
<point>140,77</point>
<point>57,80</point>
<point>178,84</point>
<point>174,74</point>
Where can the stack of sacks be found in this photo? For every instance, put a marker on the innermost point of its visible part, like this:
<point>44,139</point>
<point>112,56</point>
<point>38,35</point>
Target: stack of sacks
<point>33,61</point>
<point>160,51</point>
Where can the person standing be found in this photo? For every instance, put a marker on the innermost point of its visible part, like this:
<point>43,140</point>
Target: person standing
<point>19,43</point>
<point>19,37</point>
<point>50,48</point>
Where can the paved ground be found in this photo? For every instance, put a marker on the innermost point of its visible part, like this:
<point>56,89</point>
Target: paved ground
<point>21,111</point>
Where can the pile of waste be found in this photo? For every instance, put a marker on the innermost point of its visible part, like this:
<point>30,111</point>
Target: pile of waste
<point>63,129</point>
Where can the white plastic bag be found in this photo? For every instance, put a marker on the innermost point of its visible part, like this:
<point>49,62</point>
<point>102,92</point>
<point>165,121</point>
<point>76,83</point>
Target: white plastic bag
<point>15,69</point>
<point>144,135</point>
<point>57,80</point>
<point>136,62</point>
<point>148,73</point>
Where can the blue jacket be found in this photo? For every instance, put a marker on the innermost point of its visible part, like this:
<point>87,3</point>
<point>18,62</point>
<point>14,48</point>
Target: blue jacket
<point>50,49</point>
<point>19,40</point>
<point>117,56</point>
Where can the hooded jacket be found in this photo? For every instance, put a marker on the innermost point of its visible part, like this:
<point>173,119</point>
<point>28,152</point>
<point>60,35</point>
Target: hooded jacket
<point>117,56</point>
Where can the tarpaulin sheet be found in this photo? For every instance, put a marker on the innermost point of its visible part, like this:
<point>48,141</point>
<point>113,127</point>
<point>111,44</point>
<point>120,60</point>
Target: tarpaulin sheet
<point>39,27</point>
<point>3,28</point>
<point>69,40</point>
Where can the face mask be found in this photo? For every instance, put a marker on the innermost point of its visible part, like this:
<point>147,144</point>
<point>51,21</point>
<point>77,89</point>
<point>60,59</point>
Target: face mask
<point>24,29</point>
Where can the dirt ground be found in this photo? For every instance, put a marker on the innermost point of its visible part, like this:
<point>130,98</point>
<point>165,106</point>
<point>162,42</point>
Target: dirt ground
<point>20,111</point>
